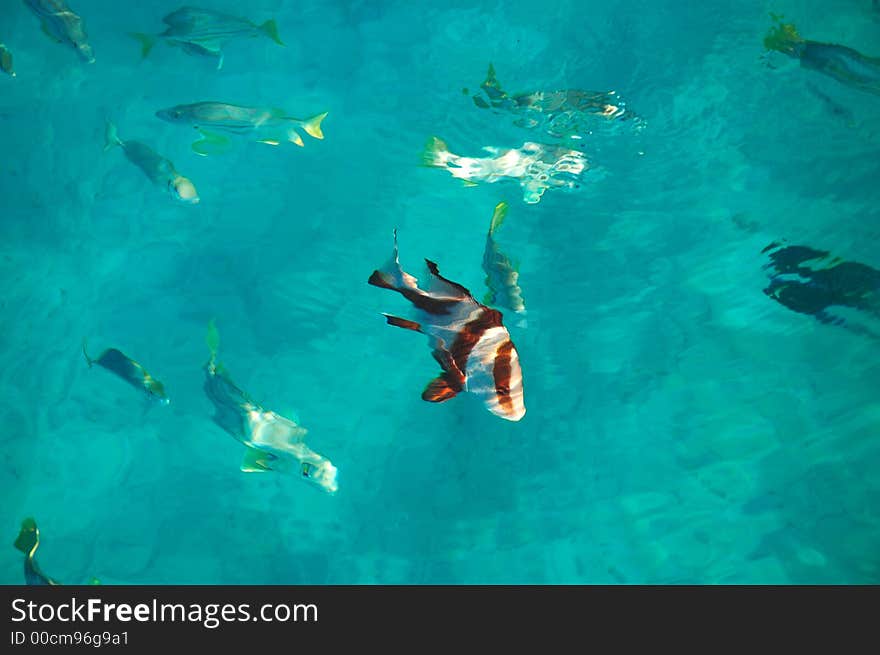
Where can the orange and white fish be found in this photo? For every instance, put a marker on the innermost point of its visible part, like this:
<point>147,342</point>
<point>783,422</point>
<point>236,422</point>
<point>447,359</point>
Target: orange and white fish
<point>536,166</point>
<point>468,339</point>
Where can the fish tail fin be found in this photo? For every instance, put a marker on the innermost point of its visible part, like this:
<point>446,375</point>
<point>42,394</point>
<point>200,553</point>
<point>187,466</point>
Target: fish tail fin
<point>499,216</point>
<point>29,537</point>
<point>111,137</point>
<point>89,360</point>
<point>312,125</point>
<point>491,86</point>
<point>147,42</point>
<point>435,152</point>
<point>270,29</point>
<point>212,338</point>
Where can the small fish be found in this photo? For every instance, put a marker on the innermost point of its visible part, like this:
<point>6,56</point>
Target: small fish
<point>27,542</point>
<point>64,26</point>
<point>537,167</point>
<point>273,442</point>
<point>568,113</point>
<point>6,60</point>
<point>160,170</point>
<point>265,124</point>
<point>468,339</point>
<point>501,275</point>
<point>129,370</point>
<point>808,281</point>
<point>842,63</point>
<point>205,32</point>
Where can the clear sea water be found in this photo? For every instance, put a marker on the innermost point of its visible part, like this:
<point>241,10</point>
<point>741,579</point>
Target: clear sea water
<point>681,427</point>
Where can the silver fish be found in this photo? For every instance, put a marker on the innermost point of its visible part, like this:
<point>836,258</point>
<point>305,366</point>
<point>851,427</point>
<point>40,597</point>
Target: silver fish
<point>64,26</point>
<point>573,113</point>
<point>205,32</point>
<point>266,124</point>
<point>273,442</point>
<point>536,166</point>
<point>501,275</point>
<point>6,60</point>
<point>159,169</point>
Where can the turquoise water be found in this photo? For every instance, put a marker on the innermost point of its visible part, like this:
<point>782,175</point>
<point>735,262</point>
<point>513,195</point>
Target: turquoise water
<point>681,427</point>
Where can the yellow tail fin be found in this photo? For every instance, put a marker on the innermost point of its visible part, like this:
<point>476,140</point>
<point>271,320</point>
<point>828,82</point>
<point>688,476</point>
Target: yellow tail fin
<point>212,338</point>
<point>270,29</point>
<point>433,148</point>
<point>29,537</point>
<point>782,36</point>
<point>147,42</point>
<point>312,125</point>
<point>499,216</point>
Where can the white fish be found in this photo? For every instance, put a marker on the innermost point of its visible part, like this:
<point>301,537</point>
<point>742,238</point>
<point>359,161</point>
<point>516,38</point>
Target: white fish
<point>273,442</point>
<point>537,167</point>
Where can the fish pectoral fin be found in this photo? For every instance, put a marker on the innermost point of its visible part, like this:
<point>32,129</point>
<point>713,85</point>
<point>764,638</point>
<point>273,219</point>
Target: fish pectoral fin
<point>256,461</point>
<point>210,144</point>
<point>270,142</point>
<point>439,390</point>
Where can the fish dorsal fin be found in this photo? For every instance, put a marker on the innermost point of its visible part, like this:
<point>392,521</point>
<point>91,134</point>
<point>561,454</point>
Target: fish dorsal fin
<point>439,285</point>
<point>392,275</point>
<point>499,216</point>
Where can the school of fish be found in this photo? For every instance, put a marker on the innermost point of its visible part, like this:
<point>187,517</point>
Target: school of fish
<point>468,339</point>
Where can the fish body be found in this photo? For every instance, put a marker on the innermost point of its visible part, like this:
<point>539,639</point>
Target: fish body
<point>806,281</point>
<point>563,113</point>
<point>204,32</point>
<point>844,64</point>
<point>28,542</point>
<point>265,124</point>
<point>502,278</point>
<point>160,170</point>
<point>6,60</point>
<point>61,24</point>
<point>273,442</point>
<point>467,339</point>
<point>537,167</point>
<point>129,370</point>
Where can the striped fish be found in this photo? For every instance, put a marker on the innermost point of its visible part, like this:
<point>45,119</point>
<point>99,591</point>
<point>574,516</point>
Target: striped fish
<point>64,26</point>
<point>273,442</point>
<point>268,125</point>
<point>205,32</point>
<point>468,339</point>
<point>501,275</point>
